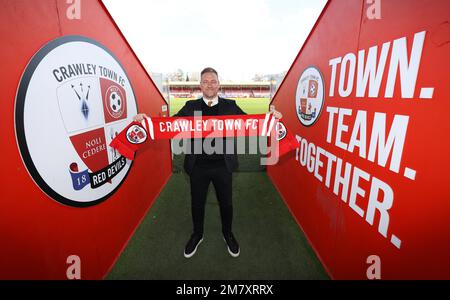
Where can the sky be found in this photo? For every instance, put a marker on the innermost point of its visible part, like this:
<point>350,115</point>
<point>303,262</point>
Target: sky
<point>239,38</point>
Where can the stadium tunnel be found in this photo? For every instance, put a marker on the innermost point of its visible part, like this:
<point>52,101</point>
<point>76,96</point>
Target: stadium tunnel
<point>365,98</point>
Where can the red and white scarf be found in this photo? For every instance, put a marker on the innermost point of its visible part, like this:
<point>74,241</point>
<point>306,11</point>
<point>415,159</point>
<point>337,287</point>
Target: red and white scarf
<point>129,140</point>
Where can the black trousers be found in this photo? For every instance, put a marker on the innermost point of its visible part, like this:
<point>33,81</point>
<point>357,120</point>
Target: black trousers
<point>200,179</point>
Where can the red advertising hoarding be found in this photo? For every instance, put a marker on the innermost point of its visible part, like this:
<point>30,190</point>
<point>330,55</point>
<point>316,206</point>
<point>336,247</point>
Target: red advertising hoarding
<point>370,173</point>
<point>70,83</point>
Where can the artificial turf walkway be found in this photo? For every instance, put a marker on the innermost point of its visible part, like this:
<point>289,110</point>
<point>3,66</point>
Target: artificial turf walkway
<point>272,245</point>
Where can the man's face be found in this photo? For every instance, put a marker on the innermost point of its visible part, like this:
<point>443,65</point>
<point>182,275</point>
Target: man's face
<point>209,85</point>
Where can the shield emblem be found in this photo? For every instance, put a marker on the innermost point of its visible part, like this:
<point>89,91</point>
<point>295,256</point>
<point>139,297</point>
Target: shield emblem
<point>114,100</point>
<point>303,104</point>
<point>73,99</point>
<point>312,88</point>
<point>90,108</point>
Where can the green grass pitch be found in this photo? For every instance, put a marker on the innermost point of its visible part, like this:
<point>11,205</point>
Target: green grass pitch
<point>249,105</point>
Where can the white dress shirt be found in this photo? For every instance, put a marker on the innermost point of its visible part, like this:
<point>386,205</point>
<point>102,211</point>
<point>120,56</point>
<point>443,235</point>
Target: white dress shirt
<point>215,100</point>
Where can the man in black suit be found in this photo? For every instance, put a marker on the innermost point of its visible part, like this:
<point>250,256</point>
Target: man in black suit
<point>208,166</point>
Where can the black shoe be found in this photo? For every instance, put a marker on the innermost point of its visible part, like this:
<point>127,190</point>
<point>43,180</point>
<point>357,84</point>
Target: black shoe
<point>192,245</point>
<point>233,246</point>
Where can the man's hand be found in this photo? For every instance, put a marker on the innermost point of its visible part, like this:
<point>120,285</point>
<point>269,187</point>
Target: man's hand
<point>148,125</point>
<point>139,117</point>
<point>275,113</point>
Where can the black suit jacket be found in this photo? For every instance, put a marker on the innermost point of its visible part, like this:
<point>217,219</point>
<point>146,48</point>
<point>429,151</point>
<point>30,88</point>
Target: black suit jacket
<point>225,107</point>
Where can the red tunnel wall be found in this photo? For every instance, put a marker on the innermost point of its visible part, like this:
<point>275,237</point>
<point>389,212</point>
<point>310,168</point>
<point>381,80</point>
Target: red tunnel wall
<point>37,233</point>
<point>420,211</point>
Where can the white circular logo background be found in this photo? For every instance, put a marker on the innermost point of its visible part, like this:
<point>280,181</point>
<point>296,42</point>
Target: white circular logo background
<point>64,121</point>
<point>309,96</point>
